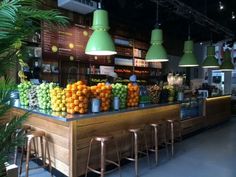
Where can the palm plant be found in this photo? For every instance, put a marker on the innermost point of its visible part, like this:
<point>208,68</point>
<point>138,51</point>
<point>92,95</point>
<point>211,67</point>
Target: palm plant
<point>19,20</point>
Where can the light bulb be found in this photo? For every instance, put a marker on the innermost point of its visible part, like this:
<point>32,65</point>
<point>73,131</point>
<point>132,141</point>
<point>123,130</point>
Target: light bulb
<point>221,6</point>
<point>233,16</point>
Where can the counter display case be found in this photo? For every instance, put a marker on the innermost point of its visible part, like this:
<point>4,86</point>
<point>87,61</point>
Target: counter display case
<point>191,108</point>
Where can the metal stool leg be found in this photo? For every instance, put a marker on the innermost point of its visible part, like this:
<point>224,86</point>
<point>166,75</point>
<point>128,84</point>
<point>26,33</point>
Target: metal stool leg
<point>136,152</point>
<point>118,156</point>
<point>27,158</point>
<point>172,138</point>
<point>47,152</point>
<point>88,159</point>
<point>103,155</point>
<point>42,152</point>
<point>156,144</point>
<point>146,146</point>
<point>21,158</point>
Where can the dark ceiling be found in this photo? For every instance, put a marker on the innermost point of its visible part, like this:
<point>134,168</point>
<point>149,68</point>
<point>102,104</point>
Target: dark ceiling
<point>141,14</point>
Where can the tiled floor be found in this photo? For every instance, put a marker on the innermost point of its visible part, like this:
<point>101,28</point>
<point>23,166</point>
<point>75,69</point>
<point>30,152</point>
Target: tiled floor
<point>211,153</point>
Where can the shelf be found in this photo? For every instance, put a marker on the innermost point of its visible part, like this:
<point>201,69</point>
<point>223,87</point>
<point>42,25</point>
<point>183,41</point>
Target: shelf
<point>125,46</point>
<point>45,73</point>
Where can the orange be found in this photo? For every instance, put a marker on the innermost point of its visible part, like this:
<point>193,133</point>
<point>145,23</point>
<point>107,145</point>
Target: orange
<point>85,101</point>
<point>85,91</point>
<point>80,98</point>
<point>76,102</point>
<point>81,105</point>
<point>76,108</point>
<point>72,105</point>
<point>78,93</point>
<point>74,96</point>
<point>82,111</point>
<point>79,87</point>
<point>79,82</point>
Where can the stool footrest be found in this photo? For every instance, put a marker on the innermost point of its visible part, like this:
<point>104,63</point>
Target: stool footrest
<point>112,162</point>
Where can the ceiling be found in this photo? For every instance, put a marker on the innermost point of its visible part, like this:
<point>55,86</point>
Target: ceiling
<point>141,14</point>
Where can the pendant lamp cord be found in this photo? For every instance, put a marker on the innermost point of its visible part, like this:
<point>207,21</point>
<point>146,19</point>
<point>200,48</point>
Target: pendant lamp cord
<point>100,4</point>
<point>189,32</point>
<point>157,17</point>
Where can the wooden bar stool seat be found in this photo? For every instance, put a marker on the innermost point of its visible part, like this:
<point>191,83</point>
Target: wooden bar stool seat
<point>135,133</point>
<point>173,127</point>
<point>32,137</point>
<point>103,140</point>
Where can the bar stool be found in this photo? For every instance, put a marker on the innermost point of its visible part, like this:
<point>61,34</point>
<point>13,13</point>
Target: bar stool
<point>31,137</point>
<point>173,126</point>
<point>23,130</point>
<point>135,132</point>
<point>103,142</point>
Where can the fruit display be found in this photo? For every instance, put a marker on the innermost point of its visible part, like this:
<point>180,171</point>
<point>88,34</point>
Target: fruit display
<point>43,95</point>
<point>77,98</point>
<point>120,90</point>
<point>102,92</point>
<point>58,99</point>
<point>154,92</point>
<point>23,89</point>
<point>33,100</point>
<point>171,92</point>
<point>133,95</point>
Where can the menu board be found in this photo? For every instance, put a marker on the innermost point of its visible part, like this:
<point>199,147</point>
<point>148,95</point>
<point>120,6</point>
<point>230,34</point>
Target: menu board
<point>65,43</point>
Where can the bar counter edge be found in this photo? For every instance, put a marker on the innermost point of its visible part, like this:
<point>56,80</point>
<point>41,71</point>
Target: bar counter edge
<point>69,139</point>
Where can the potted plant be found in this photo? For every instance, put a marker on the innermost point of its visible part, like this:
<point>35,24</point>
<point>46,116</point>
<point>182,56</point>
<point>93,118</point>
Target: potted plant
<point>19,20</point>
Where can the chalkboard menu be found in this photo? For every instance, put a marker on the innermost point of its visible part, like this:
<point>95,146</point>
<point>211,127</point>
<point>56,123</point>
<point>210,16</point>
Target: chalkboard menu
<point>69,44</point>
<point>65,43</point>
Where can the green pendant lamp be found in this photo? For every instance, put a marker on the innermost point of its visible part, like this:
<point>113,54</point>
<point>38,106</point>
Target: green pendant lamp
<point>188,59</point>
<point>156,52</point>
<point>210,61</point>
<point>100,42</point>
<point>227,64</point>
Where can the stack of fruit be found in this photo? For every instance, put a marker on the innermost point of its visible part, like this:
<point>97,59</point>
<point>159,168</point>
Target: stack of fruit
<point>133,95</point>
<point>102,92</point>
<point>171,92</point>
<point>119,90</point>
<point>154,92</point>
<point>58,99</point>
<point>33,101</point>
<point>77,98</point>
<point>23,92</point>
<point>43,95</point>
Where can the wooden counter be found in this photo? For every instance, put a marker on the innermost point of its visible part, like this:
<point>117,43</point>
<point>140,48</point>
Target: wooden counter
<point>69,140</point>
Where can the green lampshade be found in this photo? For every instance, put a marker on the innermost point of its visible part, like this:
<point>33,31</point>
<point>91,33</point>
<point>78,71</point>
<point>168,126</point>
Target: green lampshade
<point>100,42</point>
<point>227,64</point>
<point>210,61</point>
<point>188,59</point>
<point>156,52</point>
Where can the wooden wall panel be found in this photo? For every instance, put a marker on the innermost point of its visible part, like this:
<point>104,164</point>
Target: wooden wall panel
<point>217,110</point>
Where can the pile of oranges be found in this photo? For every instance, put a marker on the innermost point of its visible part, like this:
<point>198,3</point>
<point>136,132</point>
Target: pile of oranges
<point>102,92</point>
<point>77,98</point>
<point>133,95</point>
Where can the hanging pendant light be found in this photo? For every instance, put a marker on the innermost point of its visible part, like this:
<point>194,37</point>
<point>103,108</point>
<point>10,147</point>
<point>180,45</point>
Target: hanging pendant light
<point>100,42</point>
<point>188,59</point>
<point>156,52</point>
<point>210,61</point>
<point>227,64</point>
